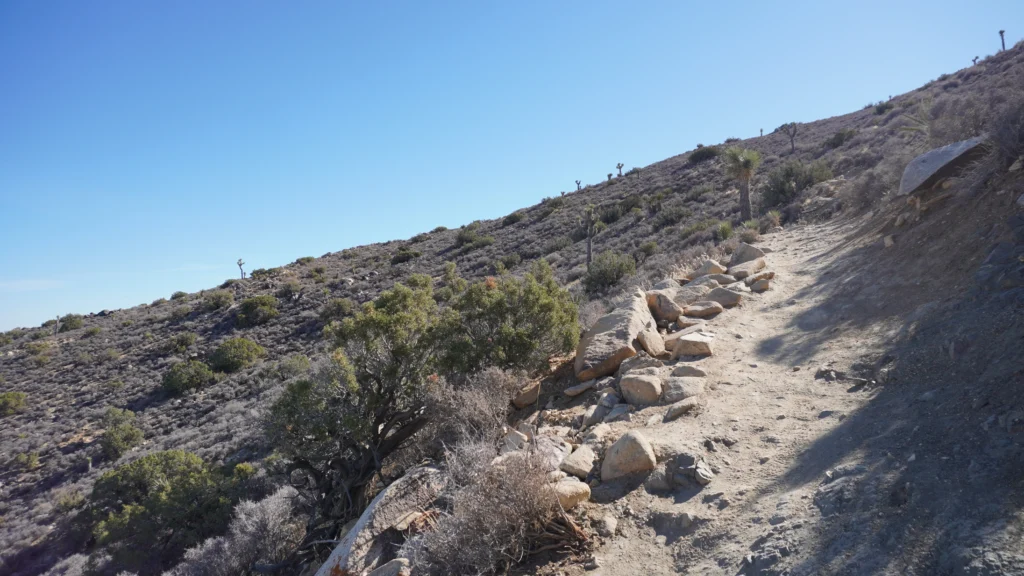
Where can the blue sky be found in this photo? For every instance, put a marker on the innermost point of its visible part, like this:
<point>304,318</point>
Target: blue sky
<point>145,146</point>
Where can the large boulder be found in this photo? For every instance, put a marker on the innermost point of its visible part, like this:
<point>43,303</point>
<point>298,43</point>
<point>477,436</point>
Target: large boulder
<point>681,388</point>
<point>744,253</point>
<point>667,300</point>
<point>630,453</point>
<point>610,340</point>
<point>741,271</point>
<point>707,267</point>
<point>725,297</point>
<point>936,165</point>
<point>651,342</point>
<point>696,344</point>
<point>640,389</point>
<point>704,309</point>
<point>580,462</point>
<point>371,541</point>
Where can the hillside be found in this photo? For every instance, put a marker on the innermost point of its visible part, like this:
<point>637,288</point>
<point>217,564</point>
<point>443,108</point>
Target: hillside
<point>841,298</point>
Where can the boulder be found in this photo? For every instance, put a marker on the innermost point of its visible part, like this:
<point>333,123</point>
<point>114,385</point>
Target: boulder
<point>704,309</point>
<point>607,525</point>
<point>680,388</point>
<point>761,285</point>
<point>693,345</point>
<point>666,303</point>
<point>936,165</point>
<point>763,274</point>
<point>640,390</point>
<point>580,462</point>
<point>597,434</point>
<point>637,362</point>
<point>631,453</point>
<point>738,287</point>
<point>703,281</point>
<point>741,271</point>
<point>610,340</point>
<point>513,441</point>
<point>528,395</point>
<point>651,342</point>
<point>685,370</point>
<point>551,451</point>
<point>724,296</point>
<point>722,279</point>
<point>744,253</point>
<point>371,540</point>
<point>583,387</point>
<point>618,412</point>
<point>670,339</point>
<point>571,492</point>
<point>706,267</point>
<point>682,407</point>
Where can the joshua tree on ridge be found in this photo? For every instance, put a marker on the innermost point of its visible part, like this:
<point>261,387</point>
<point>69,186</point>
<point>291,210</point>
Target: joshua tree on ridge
<point>790,130</point>
<point>578,185</point>
<point>1002,38</point>
<point>740,165</point>
<point>974,61</point>
<point>619,166</point>
<point>240,269</point>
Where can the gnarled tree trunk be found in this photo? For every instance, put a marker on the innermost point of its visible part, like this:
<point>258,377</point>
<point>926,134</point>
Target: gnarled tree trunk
<point>745,209</point>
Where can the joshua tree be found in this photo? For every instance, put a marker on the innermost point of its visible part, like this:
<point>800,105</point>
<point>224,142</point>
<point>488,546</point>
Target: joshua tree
<point>240,269</point>
<point>974,61</point>
<point>592,226</point>
<point>56,326</point>
<point>1002,38</point>
<point>762,131</point>
<point>740,164</point>
<point>578,185</point>
<point>619,166</point>
<point>790,130</point>
<point>610,176</point>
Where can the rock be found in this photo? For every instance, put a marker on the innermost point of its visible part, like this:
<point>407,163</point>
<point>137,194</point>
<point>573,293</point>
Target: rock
<point>640,390</point>
<point>556,476</point>
<point>680,388</point>
<point>703,309</point>
<point>551,451</point>
<point>663,308</point>
<point>619,412</point>
<point>686,370</point>
<point>1016,166</point>
<point>580,388</point>
<point>706,267</point>
<point>607,525</point>
<point>580,462</point>
<point>658,481</point>
<point>396,567</point>
<point>693,345</point>
<point>761,285</point>
<point>691,404</point>
<point>935,165</point>
<point>594,415</point>
<point>763,274</point>
<point>652,342</point>
<point>571,492</point>
<point>739,288</point>
<point>526,428</point>
<point>597,435</point>
<point>722,279</point>
<point>670,339</point>
<point>513,441</point>
<point>528,395</point>
<point>702,473</point>
<point>725,297</point>
<point>638,362</point>
<point>371,537</point>
<point>741,271</point>
<point>888,241</point>
<point>744,253</point>
<point>630,453</point>
<point>610,340</point>
<point>608,399</point>
<point>673,521</point>
<point>703,281</point>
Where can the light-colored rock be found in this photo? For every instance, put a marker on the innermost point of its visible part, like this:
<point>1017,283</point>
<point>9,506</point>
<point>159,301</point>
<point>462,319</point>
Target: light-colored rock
<point>724,296</point>
<point>703,281</point>
<point>642,360</point>
<point>744,253</point>
<point>658,481</point>
<point>763,274</point>
<point>640,389</point>
<point>371,536</point>
<point>527,395</point>
<point>667,302</point>
<point>722,279</point>
<point>741,271</point>
<point>551,451</point>
<point>582,387</point>
<point>513,441</point>
<point>396,567</point>
<point>556,476</point>
<point>607,525</point>
<point>652,342</point>
<point>693,345</point>
<point>685,370</point>
<point>597,435</point>
<point>610,340</point>
<point>528,429</point>
<point>630,453</point>
<point>703,474</point>
<point>670,339</point>
<point>888,241</point>
<point>679,388</point>
<point>580,462</point>
<point>935,165</point>
<point>619,412</point>
<point>703,309</point>
<point>594,415</point>
<point>706,267</point>
<point>571,492</point>
<point>738,287</point>
<point>761,285</point>
<point>687,406</point>
<point>682,323</point>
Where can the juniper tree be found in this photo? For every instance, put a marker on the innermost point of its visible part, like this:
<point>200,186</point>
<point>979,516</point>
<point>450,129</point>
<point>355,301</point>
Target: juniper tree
<point>740,164</point>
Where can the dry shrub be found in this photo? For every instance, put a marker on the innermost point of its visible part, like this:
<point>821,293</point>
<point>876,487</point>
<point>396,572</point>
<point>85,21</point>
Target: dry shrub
<point>590,313</point>
<point>872,186</point>
<point>694,256</point>
<point>956,119</point>
<point>1005,145</point>
<point>474,408</point>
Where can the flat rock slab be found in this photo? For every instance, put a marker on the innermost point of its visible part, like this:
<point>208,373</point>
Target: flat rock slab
<point>579,388</point>
<point>681,388</point>
<point>693,345</point>
<point>722,279</point>
<point>610,340</point>
<point>630,453</point>
<point>580,462</point>
<point>725,297</point>
<point>687,371</point>
<point>641,389</point>
<point>744,253</point>
<point>682,407</point>
<point>707,267</point>
<point>934,165</point>
<point>761,285</point>
<point>704,309</point>
<point>741,271</point>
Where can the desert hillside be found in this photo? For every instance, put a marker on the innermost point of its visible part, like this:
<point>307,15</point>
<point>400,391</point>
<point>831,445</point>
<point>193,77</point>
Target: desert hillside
<point>832,386</point>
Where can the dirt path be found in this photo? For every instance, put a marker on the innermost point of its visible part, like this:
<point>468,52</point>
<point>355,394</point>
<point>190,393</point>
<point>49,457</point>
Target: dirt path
<point>763,398</point>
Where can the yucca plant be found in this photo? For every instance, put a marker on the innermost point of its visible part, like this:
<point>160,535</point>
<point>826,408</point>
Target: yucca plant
<point>740,164</point>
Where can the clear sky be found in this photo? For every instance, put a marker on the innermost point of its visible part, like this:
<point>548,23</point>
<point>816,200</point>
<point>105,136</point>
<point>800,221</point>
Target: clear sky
<point>145,145</point>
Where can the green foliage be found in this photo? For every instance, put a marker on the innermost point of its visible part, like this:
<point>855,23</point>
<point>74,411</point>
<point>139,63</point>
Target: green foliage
<point>513,218</point>
<point>294,365</point>
<point>218,299</point>
<point>510,261</point>
<point>120,434</point>
<point>627,204</point>
<point>439,229</point>
<point>37,348</point>
<point>92,331</point>
<point>698,192</point>
<point>27,460</point>
<point>12,402</point>
<point>469,239</point>
<point>235,354</point>
<point>68,500</point>
<point>607,269</point>
<point>557,243</point>
<point>179,295</point>
<point>695,228</point>
<point>405,254</point>
<point>5,340</point>
<point>788,180</point>
<point>289,290</point>
<point>336,309</point>
<point>48,323</point>
<point>180,343</point>
<point>187,375</point>
<point>647,249</point>
<point>741,163</point>
<point>179,313</point>
<point>752,225</point>
<point>704,153</point>
<point>553,202</point>
<point>609,213</point>
<point>671,216</point>
<point>304,260</point>
<point>70,322</point>
<point>148,512</point>
<point>422,236</point>
<point>257,310</point>
<point>723,231</point>
<point>883,107</point>
<point>839,138</point>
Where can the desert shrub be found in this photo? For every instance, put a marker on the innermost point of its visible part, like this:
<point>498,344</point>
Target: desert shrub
<point>294,365</point>
<point>513,218</point>
<point>90,332</point>
<point>37,348</point>
<point>1007,132</point>
<point>27,460</point>
<point>179,313</point>
<point>723,231</point>
<point>630,202</point>
<point>180,343</point>
<point>510,261</point>
<point>698,192</point>
<point>120,434</point>
<point>839,138</point>
<point>793,177</point>
<point>12,402</point>
<point>83,359</point>
<point>607,269</point>
<point>749,235</point>
<point>704,153</point>
<point>228,283</point>
<point>217,299</point>
<point>557,244</point>
<point>289,290</point>
<point>179,295</point>
<point>68,500</point>
<point>439,229</point>
<point>671,216</point>
<point>158,302</point>
<point>404,255</point>
<point>172,498</point>
<point>304,260</point>
<point>70,322</point>
<point>609,213</point>
<point>108,355</point>
<point>235,354</point>
<point>470,408</point>
<point>647,249</point>
<point>336,309</point>
<point>553,202</point>
<point>467,234</point>
<point>422,236</point>
<point>692,229</point>
<point>257,310</point>
<point>883,107</point>
<point>5,340</point>
<point>48,323</point>
<point>187,375</point>
<point>731,140</point>
<point>771,219</point>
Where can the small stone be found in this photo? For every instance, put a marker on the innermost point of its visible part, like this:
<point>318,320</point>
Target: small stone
<point>682,407</point>
<point>703,474</point>
<point>580,462</point>
<point>889,241</point>
<point>607,525</point>
<point>630,453</point>
<point>597,434</point>
<point>658,481</point>
<point>651,342</point>
<point>722,279</point>
<point>703,309</point>
<point>688,371</point>
<point>571,492</point>
<point>579,388</point>
<point>762,275</point>
<point>528,395</point>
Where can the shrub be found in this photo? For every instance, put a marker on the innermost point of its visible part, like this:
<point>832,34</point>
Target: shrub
<point>37,348</point>
<point>793,177</point>
<point>257,310</point>
<point>404,255</point>
<point>422,236</point>
<point>27,460</point>
<point>510,261</point>
<point>749,235</point>
<point>336,309</point>
<point>120,434</point>
<point>5,340</point>
<point>557,244</point>
<point>217,299</point>
<point>228,283</point>
<point>289,290</point>
<point>179,313</point>
<point>883,107</point>
<point>723,231</point>
<point>645,251</point>
<point>704,153</point>
<point>607,269</point>
<point>772,219</point>
<point>294,365</point>
<point>68,500</point>
<point>839,138</point>
<point>187,375</point>
<point>610,213</point>
<point>12,402</point>
<point>180,343</point>
<point>513,218</point>
<point>235,354</point>
<point>693,229</point>
<point>439,229</point>
<point>630,202</point>
<point>671,216</point>
<point>179,295</point>
<point>469,239</point>
<point>70,322</point>
<point>553,202</point>
<point>697,192</point>
<point>304,260</point>
<point>92,331</point>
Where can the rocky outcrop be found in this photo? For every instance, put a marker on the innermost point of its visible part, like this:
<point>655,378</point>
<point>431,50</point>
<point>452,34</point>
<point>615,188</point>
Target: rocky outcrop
<point>667,299</point>
<point>610,340</point>
<point>936,165</point>
<point>630,454</point>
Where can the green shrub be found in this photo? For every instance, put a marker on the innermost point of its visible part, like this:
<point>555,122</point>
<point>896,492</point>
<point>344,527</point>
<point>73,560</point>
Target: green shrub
<point>404,255</point>
<point>883,107</point>
<point>336,309</point>
<point>607,269</point>
<point>752,224</point>
<point>648,249</point>
<point>671,216</point>
<point>70,322</point>
<point>294,365</point>
<point>704,153</point>
<point>839,138</point>
<point>693,229</point>
<point>723,231</point>
<point>510,261</point>
<point>5,340</point>
<point>513,218</point>
<point>92,331</point>
<point>218,299</point>
<point>228,283</point>
<point>158,302</point>
<point>422,236</point>
<point>609,213</point>
<point>439,229</point>
<point>12,402</point>
<point>289,290</point>
<point>553,202</point>
<point>793,177</point>
<point>180,343</point>
<point>257,310</point>
<point>27,460</point>
<point>179,313</point>
<point>187,375</point>
<point>48,323</point>
<point>235,354</point>
<point>37,348</point>
<point>749,235</point>
<point>557,244</point>
<point>627,204</point>
<point>179,295</point>
<point>120,434</point>
<point>68,500</point>
<point>304,260</point>
<point>470,239</point>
